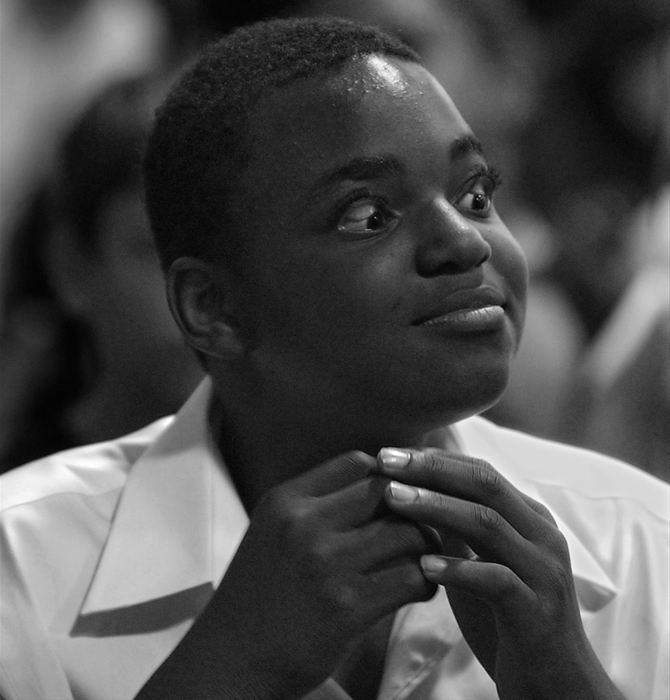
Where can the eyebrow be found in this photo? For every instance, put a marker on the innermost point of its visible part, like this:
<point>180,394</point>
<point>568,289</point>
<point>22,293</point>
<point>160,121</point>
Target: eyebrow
<point>465,145</point>
<point>359,169</point>
<point>385,165</point>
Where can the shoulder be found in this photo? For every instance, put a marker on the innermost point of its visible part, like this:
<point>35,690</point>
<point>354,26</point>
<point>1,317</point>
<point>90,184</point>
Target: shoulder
<point>84,472</point>
<point>55,517</point>
<point>554,466</point>
<point>55,513</point>
<point>615,518</point>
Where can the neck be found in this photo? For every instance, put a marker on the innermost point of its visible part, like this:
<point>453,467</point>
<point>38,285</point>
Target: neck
<point>265,444</point>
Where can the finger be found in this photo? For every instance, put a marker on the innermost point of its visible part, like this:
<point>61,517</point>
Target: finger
<point>333,475</point>
<point>469,479</point>
<point>539,508</point>
<point>481,527</point>
<point>454,546</point>
<point>493,583</point>
<point>379,543</point>
<point>389,589</point>
<point>355,504</point>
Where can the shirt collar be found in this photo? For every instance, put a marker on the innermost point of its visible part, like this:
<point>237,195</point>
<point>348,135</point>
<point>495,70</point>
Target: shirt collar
<point>178,521</point>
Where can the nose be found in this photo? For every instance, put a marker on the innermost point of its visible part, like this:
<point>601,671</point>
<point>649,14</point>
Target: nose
<point>449,243</point>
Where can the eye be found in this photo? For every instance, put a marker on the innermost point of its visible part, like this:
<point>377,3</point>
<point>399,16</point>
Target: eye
<point>365,218</point>
<point>478,198</point>
<point>476,201</point>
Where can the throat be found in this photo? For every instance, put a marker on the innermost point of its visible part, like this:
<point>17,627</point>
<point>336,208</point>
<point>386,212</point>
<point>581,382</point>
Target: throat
<point>262,450</point>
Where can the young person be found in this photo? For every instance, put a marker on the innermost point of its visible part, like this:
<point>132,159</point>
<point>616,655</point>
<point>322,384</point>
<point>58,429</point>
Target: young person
<point>333,255</point>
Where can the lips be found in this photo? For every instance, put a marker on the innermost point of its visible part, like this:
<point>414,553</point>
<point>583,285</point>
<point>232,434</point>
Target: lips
<point>482,304</point>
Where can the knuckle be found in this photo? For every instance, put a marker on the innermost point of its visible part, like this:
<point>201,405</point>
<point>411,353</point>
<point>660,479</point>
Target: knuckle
<point>487,519</point>
<point>559,582</point>
<point>544,512</point>
<point>342,598</point>
<point>558,544</point>
<point>356,463</point>
<point>318,555</point>
<point>272,504</point>
<point>410,538</point>
<point>486,478</point>
<point>432,461</point>
<point>505,584</point>
<point>289,513</point>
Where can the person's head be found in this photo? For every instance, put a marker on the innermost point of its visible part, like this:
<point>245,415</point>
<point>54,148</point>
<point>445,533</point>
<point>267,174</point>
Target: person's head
<point>83,272</point>
<point>324,215</point>
<point>103,261</point>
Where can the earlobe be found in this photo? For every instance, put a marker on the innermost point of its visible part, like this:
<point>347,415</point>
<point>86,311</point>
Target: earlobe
<point>202,308</point>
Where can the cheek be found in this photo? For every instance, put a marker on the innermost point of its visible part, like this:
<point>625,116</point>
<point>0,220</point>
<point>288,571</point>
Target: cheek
<point>516,267</point>
<point>322,296</point>
<point>510,263</point>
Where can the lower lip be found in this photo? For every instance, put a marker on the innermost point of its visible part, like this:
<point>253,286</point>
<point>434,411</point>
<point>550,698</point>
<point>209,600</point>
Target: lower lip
<point>486,318</point>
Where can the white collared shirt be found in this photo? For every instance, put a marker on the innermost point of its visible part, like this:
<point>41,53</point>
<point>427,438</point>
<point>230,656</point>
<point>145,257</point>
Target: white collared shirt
<point>110,551</point>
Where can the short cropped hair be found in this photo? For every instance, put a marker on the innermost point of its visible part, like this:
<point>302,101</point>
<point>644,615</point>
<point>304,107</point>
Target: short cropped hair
<point>200,141</point>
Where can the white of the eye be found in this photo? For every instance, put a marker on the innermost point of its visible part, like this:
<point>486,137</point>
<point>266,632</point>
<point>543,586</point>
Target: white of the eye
<point>360,215</point>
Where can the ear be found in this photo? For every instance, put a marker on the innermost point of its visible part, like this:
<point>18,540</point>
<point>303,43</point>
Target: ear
<point>200,299</point>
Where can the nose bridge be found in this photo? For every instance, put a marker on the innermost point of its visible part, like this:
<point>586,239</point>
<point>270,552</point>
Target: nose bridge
<point>449,241</point>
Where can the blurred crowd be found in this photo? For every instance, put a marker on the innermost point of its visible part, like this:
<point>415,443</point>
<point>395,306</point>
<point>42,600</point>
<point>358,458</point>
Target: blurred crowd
<point>571,101</point>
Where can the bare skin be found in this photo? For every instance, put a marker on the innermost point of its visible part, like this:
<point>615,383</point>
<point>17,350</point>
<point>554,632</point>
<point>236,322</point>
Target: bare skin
<point>510,582</point>
<point>324,561</point>
<point>381,297</point>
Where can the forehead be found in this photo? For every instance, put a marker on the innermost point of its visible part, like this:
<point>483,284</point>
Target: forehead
<point>374,104</point>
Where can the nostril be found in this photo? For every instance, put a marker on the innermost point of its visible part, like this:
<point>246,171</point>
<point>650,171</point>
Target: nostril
<point>449,267</point>
<point>454,255</point>
<point>486,256</point>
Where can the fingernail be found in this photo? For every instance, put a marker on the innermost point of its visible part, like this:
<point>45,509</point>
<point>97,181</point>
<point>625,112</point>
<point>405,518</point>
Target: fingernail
<point>432,564</point>
<point>402,493</point>
<point>393,458</point>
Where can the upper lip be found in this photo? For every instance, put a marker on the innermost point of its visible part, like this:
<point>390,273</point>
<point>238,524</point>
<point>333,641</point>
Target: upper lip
<point>463,300</point>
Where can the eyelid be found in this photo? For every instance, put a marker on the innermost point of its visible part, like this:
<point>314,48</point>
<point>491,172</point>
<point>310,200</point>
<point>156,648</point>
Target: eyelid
<point>482,170</point>
<point>354,196</point>
<point>360,197</point>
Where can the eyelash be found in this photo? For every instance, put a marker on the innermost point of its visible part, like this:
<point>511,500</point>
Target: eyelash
<point>361,195</point>
<point>489,171</point>
<point>494,180</point>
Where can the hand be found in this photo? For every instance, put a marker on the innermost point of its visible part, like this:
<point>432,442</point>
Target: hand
<point>323,560</point>
<point>506,569</point>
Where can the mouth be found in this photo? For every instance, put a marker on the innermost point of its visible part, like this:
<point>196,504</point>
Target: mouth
<point>477,310</point>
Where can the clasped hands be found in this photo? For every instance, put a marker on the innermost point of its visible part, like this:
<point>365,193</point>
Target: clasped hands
<point>330,553</point>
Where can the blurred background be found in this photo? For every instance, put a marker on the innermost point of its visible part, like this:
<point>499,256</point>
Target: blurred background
<point>571,101</point>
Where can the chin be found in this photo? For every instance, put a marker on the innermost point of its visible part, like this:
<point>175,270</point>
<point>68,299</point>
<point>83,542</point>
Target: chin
<point>469,394</point>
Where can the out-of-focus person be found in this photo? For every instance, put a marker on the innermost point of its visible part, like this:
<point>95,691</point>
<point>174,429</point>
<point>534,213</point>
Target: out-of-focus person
<point>593,146</point>
<point>87,345</point>
<point>615,258</point>
<point>55,58</point>
<point>619,401</point>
